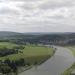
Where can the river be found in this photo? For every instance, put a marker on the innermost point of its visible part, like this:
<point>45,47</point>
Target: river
<point>56,65</point>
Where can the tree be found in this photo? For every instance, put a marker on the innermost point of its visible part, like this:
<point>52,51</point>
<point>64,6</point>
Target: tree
<point>7,61</point>
<point>14,67</point>
<point>5,69</point>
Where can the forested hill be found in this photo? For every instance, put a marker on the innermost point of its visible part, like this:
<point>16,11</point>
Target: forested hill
<point>45,36</point>
<point>37,37</point>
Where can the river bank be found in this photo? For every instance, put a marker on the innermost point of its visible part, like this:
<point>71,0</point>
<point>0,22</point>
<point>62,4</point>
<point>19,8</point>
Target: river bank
<point>22,69</point>
<point>57,64</point>
<point>72,67</point>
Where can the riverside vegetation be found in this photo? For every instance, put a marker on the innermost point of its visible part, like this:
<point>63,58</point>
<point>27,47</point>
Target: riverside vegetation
<point>14,57</point>
<point>69,70</point>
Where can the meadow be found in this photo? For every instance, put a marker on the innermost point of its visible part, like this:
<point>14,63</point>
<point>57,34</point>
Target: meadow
<point>30,53</point>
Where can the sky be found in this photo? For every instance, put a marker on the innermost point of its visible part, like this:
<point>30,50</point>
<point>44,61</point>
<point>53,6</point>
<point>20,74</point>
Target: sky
<point>37,15</point>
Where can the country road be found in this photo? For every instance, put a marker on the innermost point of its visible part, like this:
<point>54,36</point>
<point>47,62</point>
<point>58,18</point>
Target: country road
<point>56,65</point>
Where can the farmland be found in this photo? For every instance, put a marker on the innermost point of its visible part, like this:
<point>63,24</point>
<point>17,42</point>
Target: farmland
<point>29,54</point>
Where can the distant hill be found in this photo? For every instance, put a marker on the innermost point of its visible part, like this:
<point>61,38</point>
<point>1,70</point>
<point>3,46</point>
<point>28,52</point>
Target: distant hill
<point>36,36</point>
<point>7,33</point>
<point>16,35</point>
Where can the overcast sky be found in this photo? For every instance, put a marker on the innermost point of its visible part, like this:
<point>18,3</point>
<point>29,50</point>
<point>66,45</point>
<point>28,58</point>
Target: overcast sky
<point>37,15</point>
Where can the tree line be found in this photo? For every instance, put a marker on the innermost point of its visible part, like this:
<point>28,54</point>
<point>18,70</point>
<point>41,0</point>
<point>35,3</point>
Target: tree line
<point>7,67</point>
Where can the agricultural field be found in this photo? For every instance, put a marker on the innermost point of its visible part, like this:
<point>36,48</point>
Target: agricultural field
<point>29,51</point>
<point>24,54</point>
<point>7,45</point>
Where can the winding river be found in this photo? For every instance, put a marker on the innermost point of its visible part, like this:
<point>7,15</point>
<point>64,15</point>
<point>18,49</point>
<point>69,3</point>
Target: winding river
<point>56,65</point>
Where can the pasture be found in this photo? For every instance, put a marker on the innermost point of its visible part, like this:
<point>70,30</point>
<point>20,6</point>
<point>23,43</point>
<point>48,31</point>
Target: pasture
<point>30,53</point>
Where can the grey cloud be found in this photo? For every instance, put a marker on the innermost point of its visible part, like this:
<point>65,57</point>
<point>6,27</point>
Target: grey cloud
<point>21,0</point>
<point>56,4</point>
<point>36,17</point>
<point>8,11</point>
<point>56,17</point>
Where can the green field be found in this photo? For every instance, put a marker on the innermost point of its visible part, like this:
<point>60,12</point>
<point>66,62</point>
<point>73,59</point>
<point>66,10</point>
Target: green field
<point>31,53</point>
<point>7,45</point>
<point>72,48</point>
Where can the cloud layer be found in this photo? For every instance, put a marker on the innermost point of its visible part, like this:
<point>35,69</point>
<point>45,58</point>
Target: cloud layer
<point>37,15</point>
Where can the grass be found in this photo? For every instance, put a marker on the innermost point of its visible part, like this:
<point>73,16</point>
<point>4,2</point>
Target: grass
<point>7,45</point>
<point>69,70</point>
<point>72,49</point>
<point>31,53</point>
